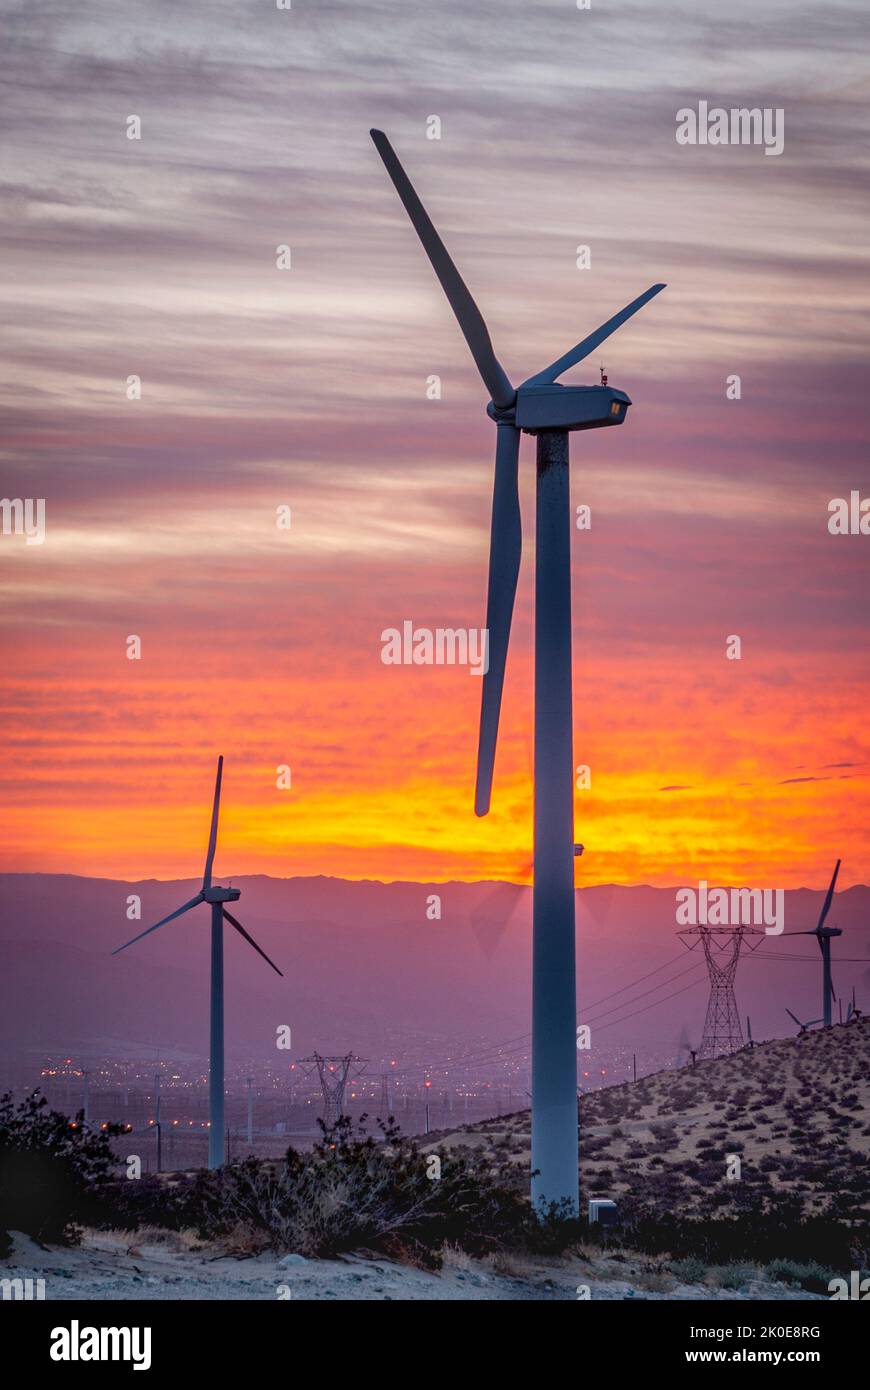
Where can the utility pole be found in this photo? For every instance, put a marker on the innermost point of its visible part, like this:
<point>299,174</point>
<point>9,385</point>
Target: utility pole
<point>250,1083</point>
<point>157,1122</point>
<point>86,1110</point>
<point>634,1064</point>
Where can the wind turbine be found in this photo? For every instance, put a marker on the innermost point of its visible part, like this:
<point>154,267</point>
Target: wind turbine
<point>542,407</point>
<point>802,1027</point>
<point>823,935</point>
<point>217,898</point>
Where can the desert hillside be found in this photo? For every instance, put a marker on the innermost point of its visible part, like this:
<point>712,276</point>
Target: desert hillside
<point>795,1111</point>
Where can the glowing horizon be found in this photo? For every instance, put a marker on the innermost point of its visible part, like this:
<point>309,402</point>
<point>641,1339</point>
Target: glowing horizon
<point>307,388</point>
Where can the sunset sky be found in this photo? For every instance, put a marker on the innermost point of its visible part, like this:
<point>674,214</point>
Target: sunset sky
<point>307,388</point>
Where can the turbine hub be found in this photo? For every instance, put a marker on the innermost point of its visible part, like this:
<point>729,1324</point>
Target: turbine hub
<point>502,414</point>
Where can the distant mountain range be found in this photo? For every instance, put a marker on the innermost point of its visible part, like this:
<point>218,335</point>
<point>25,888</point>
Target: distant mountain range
<point>369,966</point>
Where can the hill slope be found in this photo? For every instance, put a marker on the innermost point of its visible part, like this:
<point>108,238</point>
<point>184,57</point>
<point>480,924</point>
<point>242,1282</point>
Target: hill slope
<point>795,1112</point>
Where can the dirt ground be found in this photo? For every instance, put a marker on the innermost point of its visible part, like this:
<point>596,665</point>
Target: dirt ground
<point>107,1267</point>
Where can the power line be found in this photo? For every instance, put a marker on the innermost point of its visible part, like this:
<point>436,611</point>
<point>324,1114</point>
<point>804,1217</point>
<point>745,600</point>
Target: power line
<point>640,981</point>
<point>512,1048</point>
<point>486,1053</point>
<point>653,1005</point>
<point>694,966</point>
<point>489,1051</point>
<point>813,960</point>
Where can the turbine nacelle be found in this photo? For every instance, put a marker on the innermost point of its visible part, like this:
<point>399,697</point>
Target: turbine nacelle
<point>556,407</point>
<point>216,894</point>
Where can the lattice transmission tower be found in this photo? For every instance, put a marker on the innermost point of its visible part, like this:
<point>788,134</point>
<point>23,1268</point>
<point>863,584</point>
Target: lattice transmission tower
<point>722,947</point>
<point>333,1073</point>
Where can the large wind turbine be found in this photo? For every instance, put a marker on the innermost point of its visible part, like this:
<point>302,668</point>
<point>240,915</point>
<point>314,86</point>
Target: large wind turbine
<point>541,407</point>
<point>823,935</point>
<point>217,898</point>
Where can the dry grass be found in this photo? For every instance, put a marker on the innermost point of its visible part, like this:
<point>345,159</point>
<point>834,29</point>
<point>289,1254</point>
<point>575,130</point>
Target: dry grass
<point>454,1257</point>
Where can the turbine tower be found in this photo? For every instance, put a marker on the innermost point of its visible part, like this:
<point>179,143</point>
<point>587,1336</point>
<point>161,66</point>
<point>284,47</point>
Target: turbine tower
<point>548,410</point>
<point>217,898</point>
<point>824,936</point>
<point>722,1033</point>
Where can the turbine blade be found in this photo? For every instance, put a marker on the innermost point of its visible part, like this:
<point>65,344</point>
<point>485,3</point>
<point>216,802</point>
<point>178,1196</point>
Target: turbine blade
<point>162,923</point>
<point>828,898</point>
<point>505,548</point>
<point>467,313</point>
<point>583,349</point>
<point>212,839</point>
<point>251,942</point>
<point>795,1017</point>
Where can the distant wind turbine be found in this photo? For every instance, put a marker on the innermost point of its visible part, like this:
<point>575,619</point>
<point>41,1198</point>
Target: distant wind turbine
<point>216,897</point>
<point>823,935</point>
<point>802,1027</point>
<point>540,406</point>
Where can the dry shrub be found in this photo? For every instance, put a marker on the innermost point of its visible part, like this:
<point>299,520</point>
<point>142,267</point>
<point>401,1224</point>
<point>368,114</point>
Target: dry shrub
<point>353,1193</point>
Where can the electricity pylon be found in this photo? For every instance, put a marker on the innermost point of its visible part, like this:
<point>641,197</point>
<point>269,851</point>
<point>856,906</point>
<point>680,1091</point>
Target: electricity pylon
<point>333,1079</point>
<point>722,1031</point>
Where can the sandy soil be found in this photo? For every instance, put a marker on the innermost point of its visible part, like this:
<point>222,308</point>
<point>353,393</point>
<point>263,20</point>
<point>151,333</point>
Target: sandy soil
<point>796,1110</point>
<point>107,1267</point>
